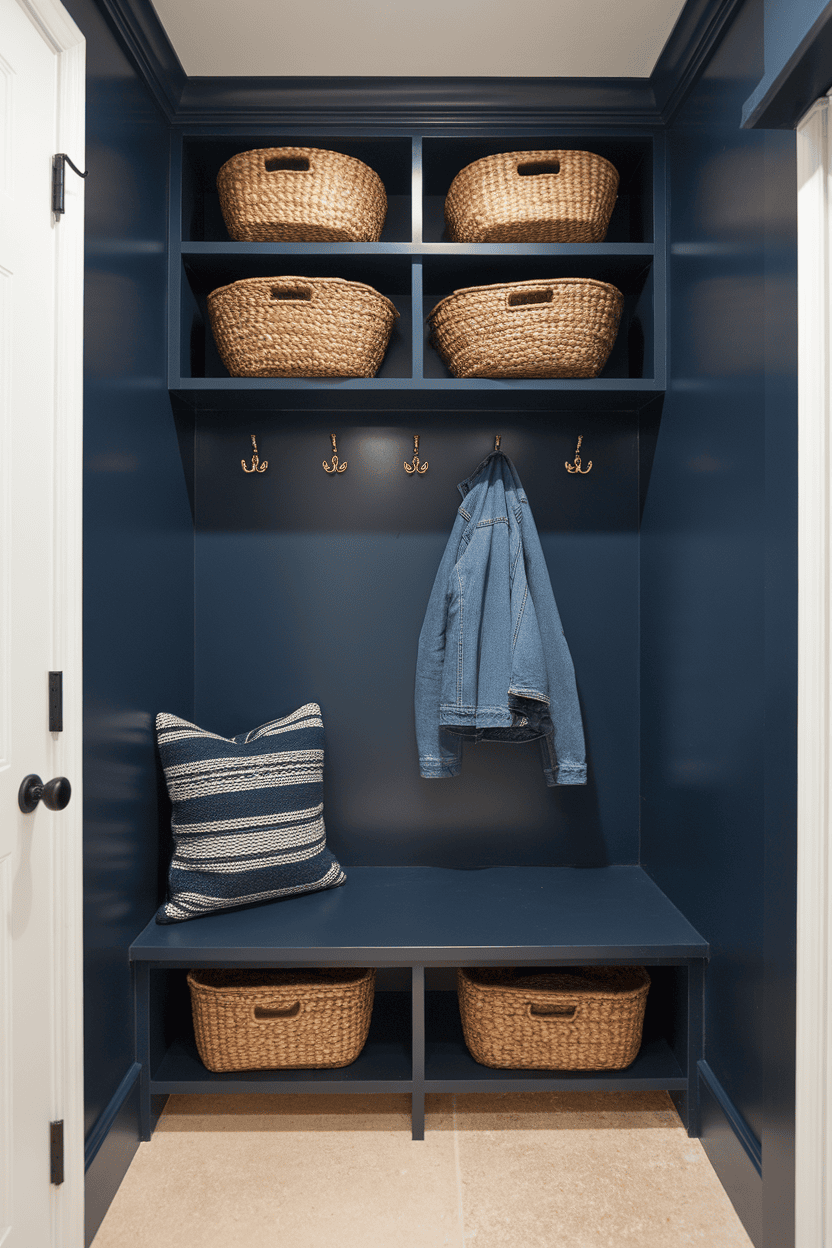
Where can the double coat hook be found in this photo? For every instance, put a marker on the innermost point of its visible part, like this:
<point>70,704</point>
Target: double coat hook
<point>414,466</point>
<point>256,466</point>
<point>336,467</point>
<point>576,467</point>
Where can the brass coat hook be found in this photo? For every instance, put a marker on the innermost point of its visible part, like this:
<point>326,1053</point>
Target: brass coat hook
<point>256,466</point>
<point>414,465</point>
<point>497,440</point>
<point>336,467</point>
<point>576,467</point>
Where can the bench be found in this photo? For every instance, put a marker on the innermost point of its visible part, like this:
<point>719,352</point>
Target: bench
<point>423,919</point>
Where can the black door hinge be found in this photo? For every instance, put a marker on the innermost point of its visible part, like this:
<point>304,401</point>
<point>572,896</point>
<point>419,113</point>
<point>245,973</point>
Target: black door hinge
<point>59,164</point>
<point>56,701</point>
<point>56,1153</point>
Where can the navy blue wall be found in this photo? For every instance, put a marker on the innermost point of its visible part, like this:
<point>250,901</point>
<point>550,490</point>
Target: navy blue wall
<point>314,588</point>
<point>138,559</point>
<point>718,593</point>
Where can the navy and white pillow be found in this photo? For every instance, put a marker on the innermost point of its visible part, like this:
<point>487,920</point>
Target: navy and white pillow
<point>248,820</point>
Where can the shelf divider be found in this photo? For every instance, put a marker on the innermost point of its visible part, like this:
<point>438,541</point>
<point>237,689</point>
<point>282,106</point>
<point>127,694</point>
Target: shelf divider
<point>416,191</point>
<point>417,1096</point>
<point>418,320</point>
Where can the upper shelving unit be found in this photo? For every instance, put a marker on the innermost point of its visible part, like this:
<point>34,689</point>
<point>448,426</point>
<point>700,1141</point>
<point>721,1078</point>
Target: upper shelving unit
<point>415,266</point>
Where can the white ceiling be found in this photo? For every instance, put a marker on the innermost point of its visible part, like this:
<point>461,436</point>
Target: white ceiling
<point>456,38</point>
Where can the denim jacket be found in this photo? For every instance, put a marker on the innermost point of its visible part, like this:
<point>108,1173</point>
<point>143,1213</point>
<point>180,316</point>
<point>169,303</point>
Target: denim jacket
<point>493,662</point>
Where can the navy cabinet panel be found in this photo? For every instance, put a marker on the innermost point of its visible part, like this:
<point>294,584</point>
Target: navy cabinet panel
<point>718,546</point>
<point>314,588</point>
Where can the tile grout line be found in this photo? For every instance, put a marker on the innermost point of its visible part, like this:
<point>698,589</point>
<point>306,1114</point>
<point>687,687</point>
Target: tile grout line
<point>458,1174</point>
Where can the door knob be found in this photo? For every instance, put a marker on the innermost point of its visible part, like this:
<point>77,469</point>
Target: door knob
<point>55,793</point>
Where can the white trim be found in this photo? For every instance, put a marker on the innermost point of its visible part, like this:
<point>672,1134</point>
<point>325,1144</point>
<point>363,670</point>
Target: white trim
<point>813,1147</point>
<point>67,41</point>
<point>68,1227</point>
<point>57,28</point>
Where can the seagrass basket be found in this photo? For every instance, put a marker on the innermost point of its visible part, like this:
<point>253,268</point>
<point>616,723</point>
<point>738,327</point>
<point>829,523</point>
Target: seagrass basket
<point>300,327</point>
<point>562,327</point>
<point>301,194</point>
<point>532,197</point>
<point>588,1018</point>
<point>270,1020</point>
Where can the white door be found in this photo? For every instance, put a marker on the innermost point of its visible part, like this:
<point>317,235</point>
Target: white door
<point>39,626</point>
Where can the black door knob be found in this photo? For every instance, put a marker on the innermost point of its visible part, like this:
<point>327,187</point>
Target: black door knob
<point>55,793</point>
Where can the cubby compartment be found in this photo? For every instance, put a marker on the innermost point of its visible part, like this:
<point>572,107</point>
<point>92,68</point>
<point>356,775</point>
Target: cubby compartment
<point>175,1064</point>
<point>660,1064</point>
<point>633,353</point>
<point>632,156</point>
<point>200,275</point>
<point>202,158</point>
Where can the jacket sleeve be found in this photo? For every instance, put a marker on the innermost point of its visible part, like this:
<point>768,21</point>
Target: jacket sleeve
<point>564,754</point>
<point>440,751</point>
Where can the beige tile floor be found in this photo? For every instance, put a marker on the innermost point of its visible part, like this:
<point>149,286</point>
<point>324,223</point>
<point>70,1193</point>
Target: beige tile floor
<point>520,1170</point>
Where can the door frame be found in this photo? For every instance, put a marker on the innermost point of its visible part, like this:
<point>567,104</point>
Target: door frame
<point>813,1085</point>
<point>66,937</point>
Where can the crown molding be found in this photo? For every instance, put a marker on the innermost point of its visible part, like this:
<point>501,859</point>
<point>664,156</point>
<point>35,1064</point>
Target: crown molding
<point>692,42</point>
<point>145,40</point>
<point>432,102</point>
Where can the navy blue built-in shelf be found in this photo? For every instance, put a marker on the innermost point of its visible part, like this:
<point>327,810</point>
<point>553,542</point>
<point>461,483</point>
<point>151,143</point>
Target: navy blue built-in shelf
<point>415,267</point>
<point>418,917</point>
<point>413,918</point>
<point>253,394</point>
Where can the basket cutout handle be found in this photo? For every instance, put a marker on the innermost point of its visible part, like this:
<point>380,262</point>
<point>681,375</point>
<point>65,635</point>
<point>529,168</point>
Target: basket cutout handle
<point>298,294</point>
<point>533,168</point>
<point>286,164</point>
<point>523,298</point>
<point>264,1015</point>
<point>553,1013</point>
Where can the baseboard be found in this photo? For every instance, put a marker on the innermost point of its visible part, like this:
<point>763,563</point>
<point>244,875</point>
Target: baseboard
<point>109,1149</point>
<point>733,1151</point>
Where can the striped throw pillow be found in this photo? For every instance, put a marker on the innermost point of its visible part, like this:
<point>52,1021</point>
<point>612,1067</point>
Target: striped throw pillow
<point>248,820</point>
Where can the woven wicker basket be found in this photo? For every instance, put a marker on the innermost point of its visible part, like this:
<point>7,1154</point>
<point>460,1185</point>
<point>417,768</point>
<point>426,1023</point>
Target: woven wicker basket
<point>589,1018</point>
<point>532,197</point>
<point>563,327</point>
<point>269,1020</point>
<point>300,327</point>
<point>301,195</point>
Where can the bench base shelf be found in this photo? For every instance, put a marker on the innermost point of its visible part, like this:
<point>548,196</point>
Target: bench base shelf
<point>386,916</point>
